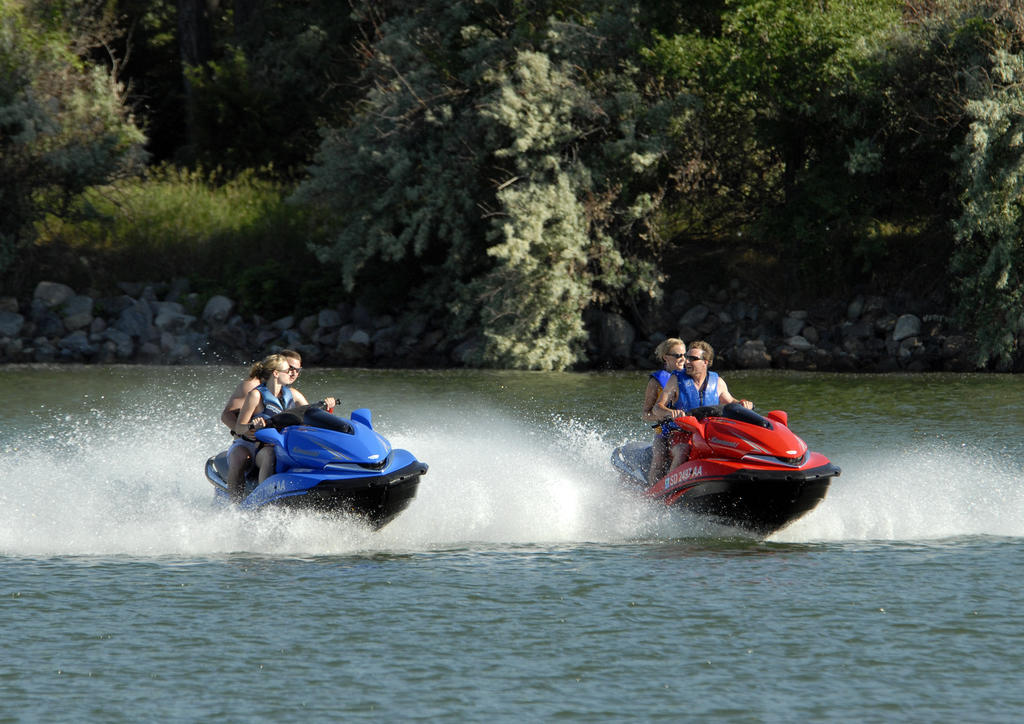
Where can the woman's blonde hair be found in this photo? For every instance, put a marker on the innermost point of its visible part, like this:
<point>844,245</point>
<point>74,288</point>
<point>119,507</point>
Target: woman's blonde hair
<point>265,367</point>
<point>259,369</point>
<point>662,349</point>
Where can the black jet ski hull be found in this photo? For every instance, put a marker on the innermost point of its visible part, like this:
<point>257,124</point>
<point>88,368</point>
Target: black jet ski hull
<point>757,499</point>
<point>376,499</point>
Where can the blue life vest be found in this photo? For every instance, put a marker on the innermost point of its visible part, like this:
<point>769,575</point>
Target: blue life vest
<point>690,397</point>
<point>663,376</point>
<point>273,405</point>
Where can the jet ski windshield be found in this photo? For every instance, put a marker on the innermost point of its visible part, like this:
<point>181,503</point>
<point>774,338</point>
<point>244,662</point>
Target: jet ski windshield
<point>731,411</point>
<point>736,411</point>
<point>313,416</point>
<point>317,417</point>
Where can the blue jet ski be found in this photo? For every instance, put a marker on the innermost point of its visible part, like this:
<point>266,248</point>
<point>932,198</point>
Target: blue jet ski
<point>330,464</point>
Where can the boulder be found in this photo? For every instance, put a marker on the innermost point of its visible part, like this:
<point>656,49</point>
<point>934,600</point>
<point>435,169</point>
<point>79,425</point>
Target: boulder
<point>615,337</point>
<point>218,309</point>
<point>123,345</point>
<point>11,324</point>
<point>792,326</point>
<point>753,355</point>
<point>907,325</point>
<point>136,320</point>
<point>77,345</point>
<point>284,323</point>
<point>799,343</point>
<point>328,319</point>
<point>77,311</point>
<point>52,294</point>
<point>694,316</point>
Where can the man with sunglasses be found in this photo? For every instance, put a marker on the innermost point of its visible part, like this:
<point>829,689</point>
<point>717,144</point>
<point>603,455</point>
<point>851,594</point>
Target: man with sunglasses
<point>695,386</point>
<point>242,452</point>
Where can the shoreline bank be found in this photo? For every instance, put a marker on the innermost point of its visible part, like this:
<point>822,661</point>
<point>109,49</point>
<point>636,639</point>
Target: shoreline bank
<point>167,324</point>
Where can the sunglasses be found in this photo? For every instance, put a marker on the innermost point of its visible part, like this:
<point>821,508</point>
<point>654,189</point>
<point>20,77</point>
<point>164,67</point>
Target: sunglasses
<point>673,354</point>
<point>694,358</point>
<point>296,370</point>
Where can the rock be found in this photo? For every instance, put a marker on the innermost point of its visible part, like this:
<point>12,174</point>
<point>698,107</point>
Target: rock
<point>799,343</point>
<point>753,355</point>
<point>218,309</point>
<point>11,324</point>
<point>694,316</point>
<point>855,308</point>
<point>42,350</point>
<point>349,352</point>
<point>173,322</point>
<point>77,345</point>
<point>123,345</point>
<point>885,322</point>
<point>52,294</point>
<point>77,312</point>
<point>265,336</point>
<point>385,343</point>
<point>168,307</point>
<point>856,330</point>
<point>150,352</point>
<point>792,326</point>
<point>615,337</point>
<point>175,348</point>
<point>136,320</point>
<point>907,325</point>
<point>46,322</point>
<point>328,319</point>
<point>308,325</point>
<point>284,323</point>
<point>326,336</point>
<point>291,338</point>
<point>9,304</point>
<point>12,350</point>
<point>362,317</point>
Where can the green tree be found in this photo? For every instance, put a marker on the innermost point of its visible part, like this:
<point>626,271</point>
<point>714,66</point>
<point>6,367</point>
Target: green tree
<point>64,124</point>
<point>989,259</point>
<point>778,146</point>
<point>502,168</point>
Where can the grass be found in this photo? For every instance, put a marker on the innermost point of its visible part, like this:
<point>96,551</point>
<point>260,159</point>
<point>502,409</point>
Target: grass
<point>237,236</point>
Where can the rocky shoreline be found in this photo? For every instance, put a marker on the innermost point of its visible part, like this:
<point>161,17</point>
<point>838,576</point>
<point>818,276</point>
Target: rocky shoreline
<point>167,324</point>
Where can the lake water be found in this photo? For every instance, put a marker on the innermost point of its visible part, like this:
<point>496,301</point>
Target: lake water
<point>522,583</point>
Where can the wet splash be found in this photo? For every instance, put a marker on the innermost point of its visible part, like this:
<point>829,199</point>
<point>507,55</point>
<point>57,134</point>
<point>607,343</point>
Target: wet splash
<point>132,484</point>
<point>934,490</point>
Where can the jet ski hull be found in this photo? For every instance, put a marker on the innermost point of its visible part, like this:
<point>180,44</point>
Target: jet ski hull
<point>327,464</point>
<point>751,492</point>
<point>375,499</point>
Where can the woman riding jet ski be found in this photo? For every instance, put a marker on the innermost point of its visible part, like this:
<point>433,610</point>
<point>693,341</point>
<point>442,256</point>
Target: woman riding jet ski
<point>327,463</point>
<point>743,470</point>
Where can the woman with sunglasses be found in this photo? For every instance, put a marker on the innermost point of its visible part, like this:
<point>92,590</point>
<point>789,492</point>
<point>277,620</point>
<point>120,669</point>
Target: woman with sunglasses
<point>274,395</point>
<point>243,450</point>
<point>695,386</point>
<point>672,357</point>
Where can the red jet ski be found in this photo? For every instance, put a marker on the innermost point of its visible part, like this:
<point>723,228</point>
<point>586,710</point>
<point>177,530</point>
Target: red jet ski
<point>745,470</point>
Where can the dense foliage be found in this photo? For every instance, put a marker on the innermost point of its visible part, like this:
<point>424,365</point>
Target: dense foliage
<point>511,166</point>
<point>64,125</point>
<point>505,187</point>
